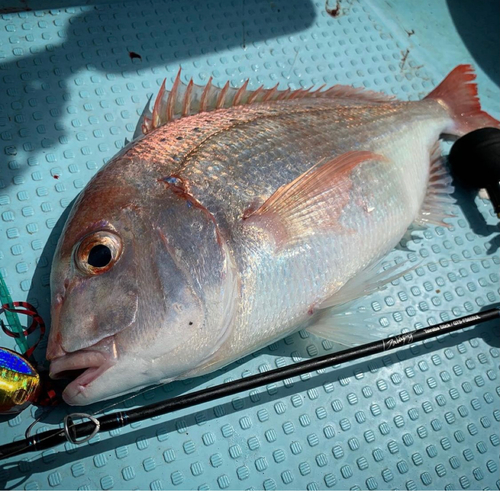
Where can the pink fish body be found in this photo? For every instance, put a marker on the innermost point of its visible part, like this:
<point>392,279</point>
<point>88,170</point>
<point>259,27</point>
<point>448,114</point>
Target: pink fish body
<point>240,217</point>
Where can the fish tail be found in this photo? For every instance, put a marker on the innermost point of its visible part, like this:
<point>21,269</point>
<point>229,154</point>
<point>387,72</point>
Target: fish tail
<point>458,94</point>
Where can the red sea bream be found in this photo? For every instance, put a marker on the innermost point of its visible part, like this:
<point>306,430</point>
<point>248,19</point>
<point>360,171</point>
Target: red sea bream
<point>238,218</point>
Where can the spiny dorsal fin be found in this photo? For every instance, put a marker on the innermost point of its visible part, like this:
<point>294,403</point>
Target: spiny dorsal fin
<point>188,99</point>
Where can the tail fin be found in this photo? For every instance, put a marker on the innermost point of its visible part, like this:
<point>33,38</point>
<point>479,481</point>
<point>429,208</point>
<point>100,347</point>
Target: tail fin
<point>458,94</point>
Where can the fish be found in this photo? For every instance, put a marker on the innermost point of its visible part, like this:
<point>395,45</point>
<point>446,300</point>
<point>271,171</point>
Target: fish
<point>239,217</point>
<point>19,382</point>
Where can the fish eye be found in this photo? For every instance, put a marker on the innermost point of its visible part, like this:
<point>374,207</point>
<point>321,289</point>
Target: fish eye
<point>99,256</point>
<point>98,252</point>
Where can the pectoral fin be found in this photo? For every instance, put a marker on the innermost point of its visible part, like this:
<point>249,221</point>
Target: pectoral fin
<point>313,201</point>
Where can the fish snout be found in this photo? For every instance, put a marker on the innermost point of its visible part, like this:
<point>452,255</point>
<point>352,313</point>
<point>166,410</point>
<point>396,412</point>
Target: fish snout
<point>83,366</point>
<point>62,367</point>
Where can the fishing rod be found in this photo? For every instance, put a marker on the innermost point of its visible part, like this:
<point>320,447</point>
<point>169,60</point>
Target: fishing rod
<point>83,432</point>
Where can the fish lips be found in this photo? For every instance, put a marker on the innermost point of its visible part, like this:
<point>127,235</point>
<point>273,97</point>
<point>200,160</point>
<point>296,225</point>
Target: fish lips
<point>87,365</point>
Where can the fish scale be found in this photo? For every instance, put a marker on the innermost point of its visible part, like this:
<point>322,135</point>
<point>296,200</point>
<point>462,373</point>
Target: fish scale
<point>305,135</point>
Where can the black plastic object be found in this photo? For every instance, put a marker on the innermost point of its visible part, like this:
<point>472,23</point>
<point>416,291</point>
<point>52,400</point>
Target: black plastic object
<point>79,433</point>
<point>475,160</point>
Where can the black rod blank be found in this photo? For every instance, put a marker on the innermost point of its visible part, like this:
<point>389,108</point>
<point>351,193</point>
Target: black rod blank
<point>48,439</point>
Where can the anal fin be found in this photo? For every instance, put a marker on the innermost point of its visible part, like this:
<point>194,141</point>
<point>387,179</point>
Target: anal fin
<point>438,203</point>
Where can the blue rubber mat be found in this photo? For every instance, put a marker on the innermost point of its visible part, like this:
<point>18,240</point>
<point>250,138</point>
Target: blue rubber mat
<point>73,82</point>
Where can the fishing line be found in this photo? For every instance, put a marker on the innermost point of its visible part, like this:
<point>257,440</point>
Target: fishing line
<point>12,317</point>
<point>82,432</point>
<point>22,307</point>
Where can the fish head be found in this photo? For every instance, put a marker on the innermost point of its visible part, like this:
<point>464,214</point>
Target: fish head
<point>139,292</point>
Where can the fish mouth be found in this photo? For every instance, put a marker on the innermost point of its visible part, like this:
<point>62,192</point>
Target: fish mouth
<point>82,367</point>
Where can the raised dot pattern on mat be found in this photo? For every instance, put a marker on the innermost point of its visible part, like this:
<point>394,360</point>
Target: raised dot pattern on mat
<point>424,417</point>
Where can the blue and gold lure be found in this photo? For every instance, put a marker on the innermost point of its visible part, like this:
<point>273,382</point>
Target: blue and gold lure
<point>19,382</point>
